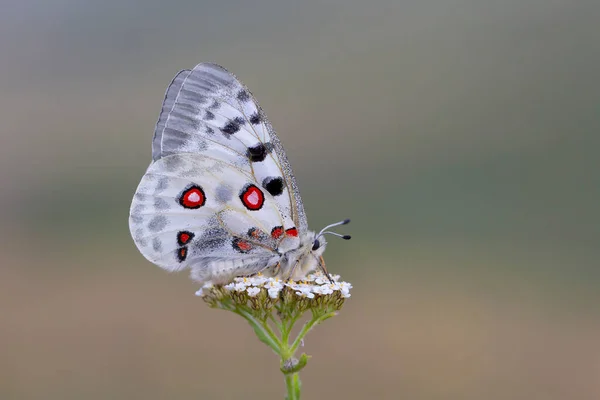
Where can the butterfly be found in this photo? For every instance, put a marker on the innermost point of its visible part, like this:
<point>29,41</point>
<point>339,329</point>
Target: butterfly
<point>219,196</point>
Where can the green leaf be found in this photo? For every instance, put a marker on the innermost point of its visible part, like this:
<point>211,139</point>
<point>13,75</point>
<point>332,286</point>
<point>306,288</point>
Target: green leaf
<point>264,337</point>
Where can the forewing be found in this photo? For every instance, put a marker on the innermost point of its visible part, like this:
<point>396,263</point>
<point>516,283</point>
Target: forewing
<point>207,108</point>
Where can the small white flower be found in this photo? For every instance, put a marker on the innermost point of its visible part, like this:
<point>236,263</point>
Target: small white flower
<point>294,285</point>
<point>253,291</point>
<point>239,287</point>
<point>322,289</point>
<point>304,291</point>
<point>345,289</point>
<point>257,280</point>
<point>229,286</point>
<point>316,289</point>
<point>273,286</point>
<point>200,292</point>
<point>245,280</point>
<point>273,283</point>
<point>320,280</point>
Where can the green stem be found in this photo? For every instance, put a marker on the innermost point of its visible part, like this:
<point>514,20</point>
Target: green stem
<point>292,379</point>
<point>292,383</point>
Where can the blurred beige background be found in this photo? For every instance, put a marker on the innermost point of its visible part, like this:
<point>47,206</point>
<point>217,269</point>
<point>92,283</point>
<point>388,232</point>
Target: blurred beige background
<point>461,137</point>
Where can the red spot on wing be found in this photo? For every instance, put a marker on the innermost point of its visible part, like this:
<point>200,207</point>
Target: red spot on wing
<point>252,197</point>
<point>241,245</point>
<point>253,232</point>
<point>277,232</point>
<point>182,254</point>
<point>193,197</point>
<point>292,232</point>
<point>184,237</point>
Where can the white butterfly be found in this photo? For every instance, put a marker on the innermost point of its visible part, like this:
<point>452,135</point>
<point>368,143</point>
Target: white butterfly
<point>219,196</point>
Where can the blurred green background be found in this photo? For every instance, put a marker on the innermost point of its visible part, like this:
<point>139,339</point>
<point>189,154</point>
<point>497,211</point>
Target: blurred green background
<point>461,137</point>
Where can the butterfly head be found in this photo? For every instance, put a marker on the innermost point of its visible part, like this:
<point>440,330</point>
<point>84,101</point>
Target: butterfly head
<point>308,257</point>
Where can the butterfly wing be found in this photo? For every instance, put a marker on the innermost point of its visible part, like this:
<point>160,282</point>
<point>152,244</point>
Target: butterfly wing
<point>206,214</point>
<point>220,196</point>
<point>209,104</point>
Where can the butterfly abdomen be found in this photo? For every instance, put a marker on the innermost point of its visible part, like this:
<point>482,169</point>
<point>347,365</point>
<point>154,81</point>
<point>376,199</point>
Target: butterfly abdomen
<point>223,270</point>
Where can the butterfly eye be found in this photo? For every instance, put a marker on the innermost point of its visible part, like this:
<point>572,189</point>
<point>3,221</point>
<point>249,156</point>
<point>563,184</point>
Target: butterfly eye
<point>316,244</point>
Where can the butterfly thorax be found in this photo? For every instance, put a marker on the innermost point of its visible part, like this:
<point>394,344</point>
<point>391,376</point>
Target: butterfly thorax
<point>298,262</point>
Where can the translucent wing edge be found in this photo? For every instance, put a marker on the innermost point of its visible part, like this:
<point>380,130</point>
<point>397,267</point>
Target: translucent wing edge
<point>167,106</point>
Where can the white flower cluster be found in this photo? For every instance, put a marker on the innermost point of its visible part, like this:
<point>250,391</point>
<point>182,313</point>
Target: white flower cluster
<point>311,285</point>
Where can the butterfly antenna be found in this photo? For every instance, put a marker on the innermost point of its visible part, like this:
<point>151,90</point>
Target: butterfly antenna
<point>345,237</point>
<point>344,222</point>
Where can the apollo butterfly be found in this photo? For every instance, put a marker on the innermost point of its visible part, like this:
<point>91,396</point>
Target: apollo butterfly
<point>220,197</point>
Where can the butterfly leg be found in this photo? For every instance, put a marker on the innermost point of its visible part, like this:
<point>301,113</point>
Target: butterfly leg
<point>291,274</point>
<point>322,266</point>
<point>276,268</point>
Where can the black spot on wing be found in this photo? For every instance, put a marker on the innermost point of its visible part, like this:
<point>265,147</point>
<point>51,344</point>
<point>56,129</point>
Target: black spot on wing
<point>257,153</point>
<point>233,126</point>
<point>243,95</point>
<point>255,118</point>
<point>273,185</point>
<point>209,116</point>
<point>230,128</point>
